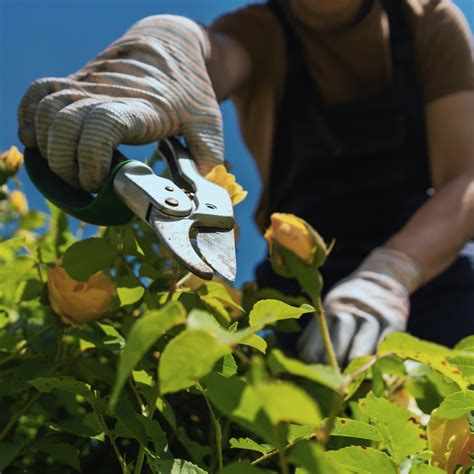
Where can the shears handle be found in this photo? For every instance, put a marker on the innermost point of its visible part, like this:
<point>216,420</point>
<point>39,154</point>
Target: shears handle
<point>104,208</point>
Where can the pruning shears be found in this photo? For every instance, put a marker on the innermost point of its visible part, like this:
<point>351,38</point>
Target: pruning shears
<point>192,217</point>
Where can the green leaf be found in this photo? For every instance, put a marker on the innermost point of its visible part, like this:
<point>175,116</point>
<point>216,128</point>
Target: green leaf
<point>60,452</point>
<point>400,434</point>
<point>227,366</point>
<point>250,445</point>
<point>465,345</point>
<point>143,334</point>
<point>216,290</point>
<point>33,220</point>
<point>155,433</point>
<point>187,358</point>
<point>8,452</point>
<point>86,257</point>
<point>285,402</point>
<point>176,466</point>
<point>255,341</point>
<point>359,366</point>
<point>67,384</point>
<point>409,347</point>
<point>362,460</point>
<point>270,311</point>
<point>426,469</point>
<point>243,467</point>
<point>130,295</point>
<point>310,456</point>
<point>355,429</point>
<point>456,405</point>
<point>318,373</point>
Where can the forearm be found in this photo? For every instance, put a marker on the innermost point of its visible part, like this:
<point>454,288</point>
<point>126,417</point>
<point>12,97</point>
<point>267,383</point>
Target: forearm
<point>437,232</point>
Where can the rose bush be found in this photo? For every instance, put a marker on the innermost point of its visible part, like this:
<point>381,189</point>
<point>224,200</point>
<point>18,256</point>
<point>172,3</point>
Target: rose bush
<point>164,373</point>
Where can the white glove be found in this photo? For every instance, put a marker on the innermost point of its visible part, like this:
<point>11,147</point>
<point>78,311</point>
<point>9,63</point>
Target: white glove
<point>365,307</point>
<point>149,84</point>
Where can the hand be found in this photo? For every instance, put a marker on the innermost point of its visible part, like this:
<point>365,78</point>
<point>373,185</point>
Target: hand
<point>149,84</point>
<point>365,307</point>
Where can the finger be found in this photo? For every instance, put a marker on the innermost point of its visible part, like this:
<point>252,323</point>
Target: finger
<point>37,91</point>
<point>205,140</point>
<point>342,332</point>
<point>128,121</point>
<point>310,343</point>
<point>364,342</point>
<point>46,112</point>
<point>63,139</point>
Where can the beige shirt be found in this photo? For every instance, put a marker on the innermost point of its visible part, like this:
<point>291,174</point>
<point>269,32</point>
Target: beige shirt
<point>347,64</point>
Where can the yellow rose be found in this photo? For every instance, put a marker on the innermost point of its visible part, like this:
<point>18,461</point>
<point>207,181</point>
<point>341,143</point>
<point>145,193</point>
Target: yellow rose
<point>292,233</point>
<point>451,442</point>
<point>18,201</point>
<point>79,302</point>
<point>12,160</point>
<point>219,175</point>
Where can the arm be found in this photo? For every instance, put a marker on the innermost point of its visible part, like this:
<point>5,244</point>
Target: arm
<point>439,229</point>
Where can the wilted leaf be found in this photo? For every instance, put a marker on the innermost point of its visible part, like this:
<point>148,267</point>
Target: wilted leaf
<point>409,347</point>
<point>400,434</point>
<point>144,333</point>
<point>86,257</point>
<point>456,405</point>
<point>318,373</point>
<point>363,460</point>
<point>187,358</point>
<point>270,311</point>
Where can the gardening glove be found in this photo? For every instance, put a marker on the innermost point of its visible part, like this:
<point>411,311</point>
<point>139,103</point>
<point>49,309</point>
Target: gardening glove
<point>365,307</point>
<point>149,84</point>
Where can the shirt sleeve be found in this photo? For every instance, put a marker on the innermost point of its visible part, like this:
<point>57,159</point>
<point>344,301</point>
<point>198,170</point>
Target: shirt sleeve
<point>444,50</point>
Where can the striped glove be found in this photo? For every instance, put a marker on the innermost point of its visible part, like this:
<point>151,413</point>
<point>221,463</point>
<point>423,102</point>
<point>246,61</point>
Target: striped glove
<point>365,307</point>
<point>149,84</point>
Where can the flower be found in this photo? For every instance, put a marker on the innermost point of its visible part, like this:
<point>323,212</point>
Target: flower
<point>18,201</point>
<point>219,175</point>
<point>451,442</point>
<point>79,302</point>
<point>11,160</point>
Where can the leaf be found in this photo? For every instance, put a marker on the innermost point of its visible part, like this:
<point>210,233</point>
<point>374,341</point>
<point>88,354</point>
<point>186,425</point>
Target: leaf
<point>318,373</point>
<point>409,347</point>
<point>360,365</point>
<point>400,434</point>
<point>176,466</point>
<point>285,402</point>
<point>310,456</point>
<point>62,452</point>
<point>363,460</point>
<point>243,467</point>
<point>255,341</point>
<point>155,433</point>
<point>425,469</point>
<point>456,405</point>
<point>355,429</point>
<point>250,445</point>
<point>8,452</point>
<point>187,358</point>
<point>143,334</point>
<point>130,295</point>
<point>270,311</point>
<point>213,289</point>
<point>67,384</point>
<point>86,257</point>
<point>227,366</point>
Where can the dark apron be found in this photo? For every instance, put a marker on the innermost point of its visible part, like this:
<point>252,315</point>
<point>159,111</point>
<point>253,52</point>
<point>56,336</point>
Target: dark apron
<point>357,171</point>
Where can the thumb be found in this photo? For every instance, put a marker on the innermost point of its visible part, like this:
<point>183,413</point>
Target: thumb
<point>205,141</point>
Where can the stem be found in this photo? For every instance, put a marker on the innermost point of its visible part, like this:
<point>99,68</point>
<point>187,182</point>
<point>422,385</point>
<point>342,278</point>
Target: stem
<point>217,430</point>
<point>123,464</point>
<point>184,280</point>
<point>15,416</point>
<point>325,433</point>
<point>283,461</point>
<point>323,327</point>
<point>173,282</point>
<point>149,414</point>
<point>266,456</point>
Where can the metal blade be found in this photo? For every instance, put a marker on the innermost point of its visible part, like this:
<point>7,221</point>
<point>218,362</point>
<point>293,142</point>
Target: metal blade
<point>218,249</point>
<point>174,235</point>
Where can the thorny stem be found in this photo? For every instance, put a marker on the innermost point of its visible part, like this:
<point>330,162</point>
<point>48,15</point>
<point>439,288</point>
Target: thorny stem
<point>123,464</point>
<point>15,416</point>
<point>217,430</point>
<point>149,414</point>
<point>323,327</point>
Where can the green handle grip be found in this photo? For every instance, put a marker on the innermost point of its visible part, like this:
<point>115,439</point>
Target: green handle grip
<point>104,208</point>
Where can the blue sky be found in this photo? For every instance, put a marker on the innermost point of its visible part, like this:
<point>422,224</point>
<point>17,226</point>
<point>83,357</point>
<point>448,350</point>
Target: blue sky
<point>41,38</point>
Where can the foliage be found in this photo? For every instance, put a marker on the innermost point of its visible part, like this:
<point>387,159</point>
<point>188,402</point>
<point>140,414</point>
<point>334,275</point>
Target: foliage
<point>181,380</point>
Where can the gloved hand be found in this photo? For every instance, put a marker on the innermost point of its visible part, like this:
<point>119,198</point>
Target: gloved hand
<point>149,84</point>
<point>365,307</point>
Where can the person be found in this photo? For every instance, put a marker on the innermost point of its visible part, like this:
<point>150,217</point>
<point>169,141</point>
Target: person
<point>360,116</point>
